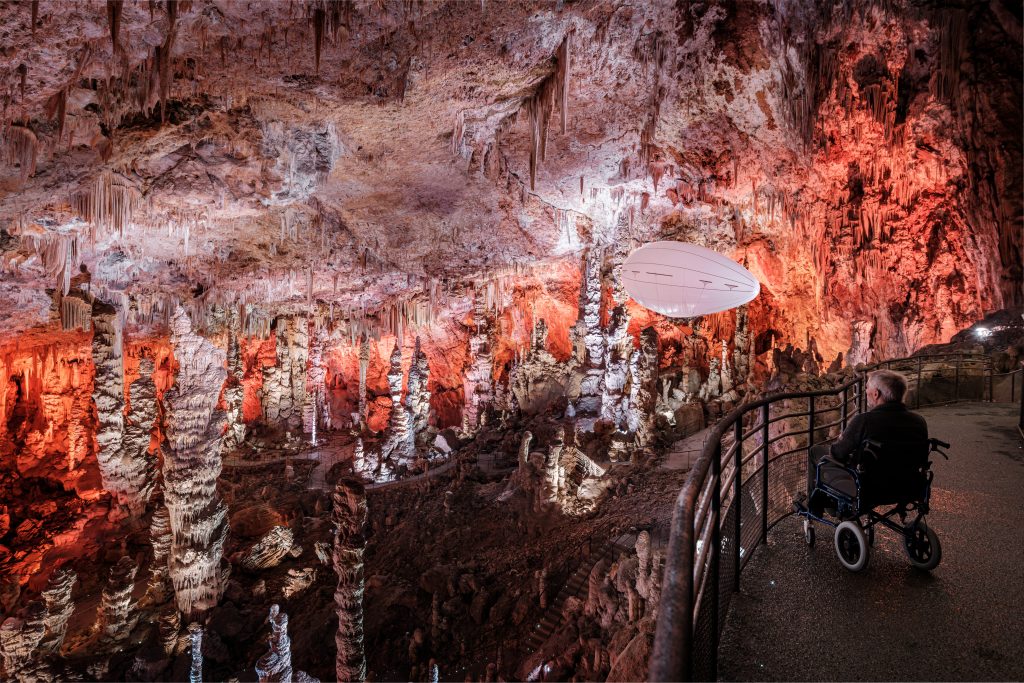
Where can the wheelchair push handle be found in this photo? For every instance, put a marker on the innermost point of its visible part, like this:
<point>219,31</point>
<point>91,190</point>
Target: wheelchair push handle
<point>937,445</point>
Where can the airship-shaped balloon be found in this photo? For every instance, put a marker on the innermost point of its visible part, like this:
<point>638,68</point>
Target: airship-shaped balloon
<point>684,280</point>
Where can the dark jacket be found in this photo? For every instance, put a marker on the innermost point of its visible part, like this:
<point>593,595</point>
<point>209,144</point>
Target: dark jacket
<point>885,422</point>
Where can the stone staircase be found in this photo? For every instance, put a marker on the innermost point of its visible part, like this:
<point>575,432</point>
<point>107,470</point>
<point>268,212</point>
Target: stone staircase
<point>577,586</point>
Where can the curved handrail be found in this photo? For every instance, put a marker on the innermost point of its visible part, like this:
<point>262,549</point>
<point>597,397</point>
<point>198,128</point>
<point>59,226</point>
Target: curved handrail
<point>672,651</point>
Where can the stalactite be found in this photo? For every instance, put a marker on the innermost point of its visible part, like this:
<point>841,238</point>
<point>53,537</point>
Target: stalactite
<point>114,9</point>
<point>110,205</point>
<point>59,607</point>
<point>551,90</point>
<point>20,148</point>
<point>349,518</point>
<point>117,614</point>
<point>75,314</point>
<point>194,428</point>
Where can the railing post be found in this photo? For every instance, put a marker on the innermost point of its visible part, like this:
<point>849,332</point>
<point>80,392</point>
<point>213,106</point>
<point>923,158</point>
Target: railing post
<point>737,488</point>
<point>764,472</point>
<point>956,384</point>
<point>715,552</point>
<point>843,408</point>
<point>918,398</point>
<point>810,423</point>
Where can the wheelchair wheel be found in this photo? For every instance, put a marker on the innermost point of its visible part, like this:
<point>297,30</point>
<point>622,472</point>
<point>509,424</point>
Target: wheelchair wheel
<point>922,546</point>
<point>808,533</point>
<point>852,546</point>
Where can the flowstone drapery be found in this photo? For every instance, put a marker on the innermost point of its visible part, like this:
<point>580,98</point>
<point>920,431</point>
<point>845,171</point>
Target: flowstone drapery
<point>194,428</point>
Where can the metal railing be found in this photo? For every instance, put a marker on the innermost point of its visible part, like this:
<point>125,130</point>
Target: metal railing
<point>753,463</point>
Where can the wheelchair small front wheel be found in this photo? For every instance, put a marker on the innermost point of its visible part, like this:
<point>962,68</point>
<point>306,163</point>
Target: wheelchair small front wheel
<point>852,545</point>
<point>808,533</point>
<point>922,546</point>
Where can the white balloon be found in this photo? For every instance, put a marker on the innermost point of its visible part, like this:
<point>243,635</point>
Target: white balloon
<point>684,280</point>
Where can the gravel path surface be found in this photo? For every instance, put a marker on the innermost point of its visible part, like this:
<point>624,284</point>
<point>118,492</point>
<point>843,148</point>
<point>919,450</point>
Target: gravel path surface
<point>801,616</point>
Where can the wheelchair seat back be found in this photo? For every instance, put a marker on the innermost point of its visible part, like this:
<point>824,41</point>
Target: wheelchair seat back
<point>893,472</point>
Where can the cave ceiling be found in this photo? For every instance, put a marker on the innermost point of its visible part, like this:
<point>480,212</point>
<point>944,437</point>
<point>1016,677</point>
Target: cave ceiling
<point>341,155</point>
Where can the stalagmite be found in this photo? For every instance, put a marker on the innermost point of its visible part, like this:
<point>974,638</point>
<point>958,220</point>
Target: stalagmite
<point>19,639</point>
<point>168,627</point>
<point>117,614</point>
<point>349,518</point>
<point>195,636</point>
<point>160,540</point>
<point>589,336</point>
<point>316,391</point>
<point>284,384</point>
<point>138,466</point>
<point>643,390</point>
<point>477,383</point>
<point>364,364</point>
<point>276,665</point>
<point>741,346</point>
<point>192,463</point>
<point>233,389</point>
<point>400,437</point>
<point>552,471</point>
<point>59,607</point>
<point>712,388</point>
<point>124,475</point>
<point>418,398</point>
<point>616,366</point>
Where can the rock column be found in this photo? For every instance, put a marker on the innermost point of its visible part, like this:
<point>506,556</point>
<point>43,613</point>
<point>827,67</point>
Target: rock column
<point>349,517</point>
<point>192,463</point>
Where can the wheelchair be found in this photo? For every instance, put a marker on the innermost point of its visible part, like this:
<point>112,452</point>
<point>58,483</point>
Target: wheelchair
<point>896,477</point>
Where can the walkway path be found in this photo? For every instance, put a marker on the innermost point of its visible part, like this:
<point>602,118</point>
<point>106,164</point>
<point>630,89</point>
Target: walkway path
<point>801,616</point>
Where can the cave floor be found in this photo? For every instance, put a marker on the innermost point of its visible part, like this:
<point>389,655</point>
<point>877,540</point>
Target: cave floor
<point>801,616</point>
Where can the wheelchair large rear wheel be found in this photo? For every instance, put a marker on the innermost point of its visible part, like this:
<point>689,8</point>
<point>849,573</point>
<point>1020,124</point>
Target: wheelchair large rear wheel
<point>922,546</point>
<point>852,545</point>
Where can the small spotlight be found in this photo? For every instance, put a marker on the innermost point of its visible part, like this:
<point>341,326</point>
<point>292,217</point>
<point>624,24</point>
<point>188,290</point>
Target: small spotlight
<point>982,332</point>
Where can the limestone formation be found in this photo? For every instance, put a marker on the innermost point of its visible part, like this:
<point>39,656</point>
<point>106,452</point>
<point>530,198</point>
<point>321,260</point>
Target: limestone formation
<point>742,346</point>
<point>539,379</point>
<point>59,607</point>
<point>284,384</point>
<point>364,364</point>
<point>643,394</point>
<point>123,460</point>
<point>477,383</point>
<point>233,389</point>
<point>616,368</point>
<point>192,463</point>
<point>418,397</point>
<point>400,440</point>
<point>589,335</point>
<point>349,518</point>
<point>276,665</point>
<point>117,614</point>
<point>315,404</point>
<point>195,633</point>
<point>140,467</point>
<point>169,628</point>
<point>270,550</point>
<point>20,637</point>
<point>297,580</point>
<point>160,541</point>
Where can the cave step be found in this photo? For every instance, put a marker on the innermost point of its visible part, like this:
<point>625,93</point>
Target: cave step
<point>577,586</point>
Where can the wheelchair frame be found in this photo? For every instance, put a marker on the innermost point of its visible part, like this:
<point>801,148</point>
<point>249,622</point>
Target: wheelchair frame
<point>851,508</point>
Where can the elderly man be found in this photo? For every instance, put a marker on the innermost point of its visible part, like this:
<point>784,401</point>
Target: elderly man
<point>887,419</point>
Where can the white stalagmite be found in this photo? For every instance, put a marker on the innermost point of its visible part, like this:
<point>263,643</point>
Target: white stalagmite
<point>551,486</point>
<point>741,346</point>
<point>314,405</point>
<point>349,518</point>
<point>364,364</point>
<point>418,398</point>
<point>643,388</point>
<point>284,384</point>
<point>192,463</point>
<point>117,614</point>
<point>195,636</point>
<point>125,476</point>
<point>616,367</point>
<point>400,440</point>
<point>138,428</point>
<point>276,665</point>
<point>477,383</point>
<point>234,392</point>
<point>160,540</point>
<point>59,607</point>
<point>588,335</point>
